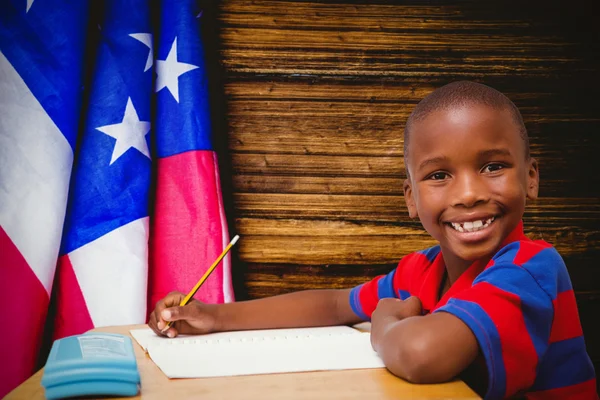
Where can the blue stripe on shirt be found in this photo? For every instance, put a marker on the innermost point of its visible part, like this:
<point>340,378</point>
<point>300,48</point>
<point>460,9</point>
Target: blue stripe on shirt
<point>508,252</point>
<point>536,305</point>
<point>489,341</point>
<point>355,303</point>
<point>565,363</point>
<point>431,253</point>
<point>549,269</point>
<point>385,286</point>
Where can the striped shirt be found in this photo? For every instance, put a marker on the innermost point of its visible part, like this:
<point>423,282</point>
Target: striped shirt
<point>521,307</point>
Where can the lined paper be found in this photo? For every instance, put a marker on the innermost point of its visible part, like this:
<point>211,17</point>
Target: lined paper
<point>260,351</point>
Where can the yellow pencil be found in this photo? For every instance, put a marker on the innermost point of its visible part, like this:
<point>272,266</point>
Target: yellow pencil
<point>192,292</point>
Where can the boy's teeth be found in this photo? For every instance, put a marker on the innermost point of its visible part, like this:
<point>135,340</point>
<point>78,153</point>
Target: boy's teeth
<point>472,226</point>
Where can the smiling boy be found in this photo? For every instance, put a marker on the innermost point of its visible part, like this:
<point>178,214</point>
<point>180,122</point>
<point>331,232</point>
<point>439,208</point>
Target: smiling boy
<point>487,303</point>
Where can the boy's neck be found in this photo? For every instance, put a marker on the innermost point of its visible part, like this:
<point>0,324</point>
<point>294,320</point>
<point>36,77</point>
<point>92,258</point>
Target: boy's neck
<point>455,267</point>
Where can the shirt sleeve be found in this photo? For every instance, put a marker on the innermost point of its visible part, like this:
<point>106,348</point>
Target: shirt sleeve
<point>364,298</point>
<point>509,308</point>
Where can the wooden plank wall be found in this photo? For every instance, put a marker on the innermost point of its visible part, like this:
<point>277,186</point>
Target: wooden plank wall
<point>314,101</point>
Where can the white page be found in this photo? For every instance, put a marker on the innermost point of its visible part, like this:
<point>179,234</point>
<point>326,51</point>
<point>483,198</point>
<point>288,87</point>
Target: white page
<point>146,336</point>
<point>260,351</point>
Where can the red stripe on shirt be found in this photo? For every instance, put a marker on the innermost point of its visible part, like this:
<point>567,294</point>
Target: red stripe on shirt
<point>525,253</point>
<point>464,281</point>
<point>566,323</point>
<point>399,282</point>
<point>426,285</point>
<point>581,391</point>
<point>368,296</point>
<point>518,351</point>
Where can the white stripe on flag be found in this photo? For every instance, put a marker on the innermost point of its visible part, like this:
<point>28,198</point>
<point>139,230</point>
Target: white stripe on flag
<point>35,168</point>
<point>112,272</point>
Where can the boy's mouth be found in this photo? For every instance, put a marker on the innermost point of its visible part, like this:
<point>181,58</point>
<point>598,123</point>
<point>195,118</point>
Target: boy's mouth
<point>472,226</point>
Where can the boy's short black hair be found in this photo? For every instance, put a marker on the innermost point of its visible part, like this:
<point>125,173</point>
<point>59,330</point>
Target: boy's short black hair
<point>464,93</point>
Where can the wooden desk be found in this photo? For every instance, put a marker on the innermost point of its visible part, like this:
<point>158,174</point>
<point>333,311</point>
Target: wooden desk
<point>350,384</point>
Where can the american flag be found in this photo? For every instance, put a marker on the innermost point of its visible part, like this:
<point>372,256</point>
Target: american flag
<point>107,273</point>
<point>103,268</point>
<point>189,207</point>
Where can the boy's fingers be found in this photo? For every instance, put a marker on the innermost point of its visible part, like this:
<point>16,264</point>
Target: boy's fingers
<point>186,319</point>
<point>391,301</point>
<point>390,305</point>
<point>160,306</point>
<point>173,298</point>
<point>171,332</point>
<point>152,322</point>
<point>154,325</point>
<point>413,304</point>
<point>169,300</point>
<point>172,314</point>
<point>179,312</point>
<point>156,315</point>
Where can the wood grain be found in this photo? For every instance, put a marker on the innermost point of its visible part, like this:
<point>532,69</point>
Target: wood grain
<point>316,95</point>
<point>357,384</point>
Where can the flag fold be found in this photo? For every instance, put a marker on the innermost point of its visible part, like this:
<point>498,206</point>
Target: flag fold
<point>110,193</point>
<point>189,228</point>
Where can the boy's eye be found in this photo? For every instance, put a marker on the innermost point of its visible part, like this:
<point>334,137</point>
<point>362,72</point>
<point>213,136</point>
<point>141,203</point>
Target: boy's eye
<point>493,167</point>
<point>437,176</point>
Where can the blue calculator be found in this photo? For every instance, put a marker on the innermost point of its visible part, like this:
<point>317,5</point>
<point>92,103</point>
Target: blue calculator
<point>91,364</point>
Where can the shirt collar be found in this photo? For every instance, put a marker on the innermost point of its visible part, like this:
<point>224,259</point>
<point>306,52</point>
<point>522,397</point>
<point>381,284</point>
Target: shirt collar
<point>428,292</point>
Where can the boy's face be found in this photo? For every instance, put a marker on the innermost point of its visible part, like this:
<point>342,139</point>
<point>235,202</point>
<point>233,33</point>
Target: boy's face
<point>469,179</point>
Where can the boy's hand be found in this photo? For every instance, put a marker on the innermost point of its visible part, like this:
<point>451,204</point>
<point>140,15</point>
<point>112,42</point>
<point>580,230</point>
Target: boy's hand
<point>193,318</point>
<point>392,310</point>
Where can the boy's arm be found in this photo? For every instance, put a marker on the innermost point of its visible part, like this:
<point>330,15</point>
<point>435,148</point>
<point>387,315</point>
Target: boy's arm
<point>299,309</point>
<point>421,349</point>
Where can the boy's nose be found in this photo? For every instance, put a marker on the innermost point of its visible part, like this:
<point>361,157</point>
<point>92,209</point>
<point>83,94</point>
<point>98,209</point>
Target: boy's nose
<point>468,191</point>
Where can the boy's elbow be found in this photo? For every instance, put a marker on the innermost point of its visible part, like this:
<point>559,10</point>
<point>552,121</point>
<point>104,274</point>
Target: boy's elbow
<point>417,363</point>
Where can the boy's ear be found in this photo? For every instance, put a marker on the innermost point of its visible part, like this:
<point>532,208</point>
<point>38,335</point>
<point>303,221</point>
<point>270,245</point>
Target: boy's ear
<point>533,179</point>
<point>408,197</point>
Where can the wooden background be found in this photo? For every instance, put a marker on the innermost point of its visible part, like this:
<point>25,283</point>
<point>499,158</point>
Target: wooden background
<point>311,105</point>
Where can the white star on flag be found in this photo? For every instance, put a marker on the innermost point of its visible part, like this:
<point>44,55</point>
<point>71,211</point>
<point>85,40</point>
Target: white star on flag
<point>129,133</point>
<point>145,38</point>
<point>169,70</point>
<point>29,4</point>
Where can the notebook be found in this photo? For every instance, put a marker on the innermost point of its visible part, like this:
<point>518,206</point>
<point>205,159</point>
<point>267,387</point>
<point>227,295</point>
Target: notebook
<point>259,351</point>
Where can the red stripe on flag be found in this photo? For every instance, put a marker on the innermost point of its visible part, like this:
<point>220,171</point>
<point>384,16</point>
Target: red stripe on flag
<point>566,323</point>
<point>518,351</point>
<point>72,315</point>
<point>26,302</point>
<point>188,228</point>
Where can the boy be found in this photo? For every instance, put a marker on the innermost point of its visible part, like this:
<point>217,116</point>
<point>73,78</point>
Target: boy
<point>486,298</point>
